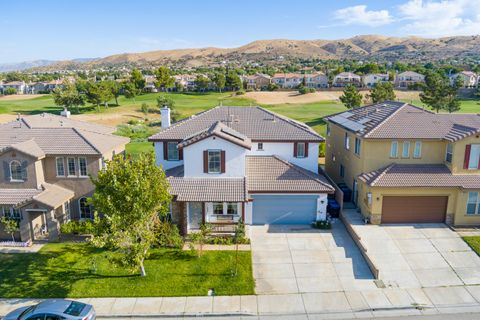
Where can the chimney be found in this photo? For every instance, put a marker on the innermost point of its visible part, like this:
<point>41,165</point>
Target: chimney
<point>165,117</point>
<point>65,113</point>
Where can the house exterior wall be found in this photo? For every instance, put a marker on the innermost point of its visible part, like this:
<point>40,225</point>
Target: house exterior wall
<point>165,164</point>
<point>6,158</point>
<point>284,150</point>
<point>459,155</point>
<point>234,158</point>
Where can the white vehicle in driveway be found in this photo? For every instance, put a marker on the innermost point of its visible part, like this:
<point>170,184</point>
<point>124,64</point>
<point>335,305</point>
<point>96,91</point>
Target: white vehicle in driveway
<point>54,310</point>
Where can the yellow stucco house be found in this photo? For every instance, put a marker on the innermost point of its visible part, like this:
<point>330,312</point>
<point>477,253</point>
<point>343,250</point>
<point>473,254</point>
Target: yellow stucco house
<point>405,164</point>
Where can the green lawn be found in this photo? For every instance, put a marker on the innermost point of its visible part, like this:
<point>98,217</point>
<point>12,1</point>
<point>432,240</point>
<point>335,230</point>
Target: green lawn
<point>136,147</point>
<point>473,242</point>
<point>78,270</point>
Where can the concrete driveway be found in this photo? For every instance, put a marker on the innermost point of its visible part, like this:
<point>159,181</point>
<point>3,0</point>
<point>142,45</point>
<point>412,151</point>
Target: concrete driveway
<point>299,259</point>
<point>418,255</point>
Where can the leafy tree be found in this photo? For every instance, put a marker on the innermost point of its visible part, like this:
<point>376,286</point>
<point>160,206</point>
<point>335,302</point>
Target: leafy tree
<point>202,82</point>
<point>114,87</point>
<point>439,93</point>
<point>219,80</point>
<point>10,91</point>
<point>130,91</point>
<point>136,77</point>
<point>233,81</point>
<point>179,86</point>
<point>164,78</point>
<point>93,93</point>
<point>201,237</point>
<point>351,98</point>
<point>131,194</point>
<point>10,226</point>
<point>382,91</point>
<point>68,96</point>
<point>107,91</point>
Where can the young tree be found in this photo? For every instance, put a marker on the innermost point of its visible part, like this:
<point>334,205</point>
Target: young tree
<point>93,93</point>
<point>68,96</point>
<point>136,77</point>
<point>164,78</point>
<point>202,82</point>
<point>131,194</point>
<point>351,98</point>
<point>233,81</point>
<point>440,94</point>
<point>114,87</point>
<point>106,91</point>
<point>201,237</point>
<point>10,226</point>
<point>130,91</point>
<point>219,80</point>
<point>382,91</point>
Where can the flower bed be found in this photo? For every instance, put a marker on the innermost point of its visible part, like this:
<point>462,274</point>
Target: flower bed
<point>15,244</point>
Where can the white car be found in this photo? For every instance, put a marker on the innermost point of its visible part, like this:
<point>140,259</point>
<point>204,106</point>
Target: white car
<point>54,310</point>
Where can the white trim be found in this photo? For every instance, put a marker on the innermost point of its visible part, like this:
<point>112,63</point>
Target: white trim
<point>11,173</point>
<point>68,167</point>
<point>80,167</point>
<point>56,167</point>
<point>419,144</point>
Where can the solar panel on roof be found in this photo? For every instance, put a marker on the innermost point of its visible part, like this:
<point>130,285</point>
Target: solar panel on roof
<point>364,120</point>
<point>354,126</point>
<point>338,119</point>
<point>346,114</point>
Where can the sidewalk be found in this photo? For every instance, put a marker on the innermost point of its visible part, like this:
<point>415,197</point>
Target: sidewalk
<point>342,304</point>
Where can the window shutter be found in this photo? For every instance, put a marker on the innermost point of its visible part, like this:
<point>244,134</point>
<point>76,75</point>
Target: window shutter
<point>180,154</point>
<point>295,149</point>
<point>468,147</point>
<point>6,170</point>
<point>205,161</point>
<point>222,161</point>
<point>165,150</point>
<point>24,170</point>
<point>306,149</point>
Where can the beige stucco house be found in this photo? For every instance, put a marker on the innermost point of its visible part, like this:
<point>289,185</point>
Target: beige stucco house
<point>46,164</point>
<point>405,164</point>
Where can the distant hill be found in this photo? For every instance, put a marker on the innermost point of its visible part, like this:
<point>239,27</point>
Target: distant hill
<point>20,66</point>
<point>371,47</point>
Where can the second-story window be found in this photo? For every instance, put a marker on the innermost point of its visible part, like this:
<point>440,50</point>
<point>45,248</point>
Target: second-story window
<point>472,157</point>
<point>417,153</point>
<point>406,149</point>
<point>72,170</point>
<point>449,153</point>
<point>214,161</point>
<point>358,146</point>
<point>82,167</point>
<point>172,151</point>
<point>301,150</point>
<point>347,141</point>
<point>260,146</point>
<point>16,173</point>
<point>394,149</point>
<point>59,162</point>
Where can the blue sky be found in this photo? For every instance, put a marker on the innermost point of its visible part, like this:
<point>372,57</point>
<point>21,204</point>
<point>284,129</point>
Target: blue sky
<point>77,29</point>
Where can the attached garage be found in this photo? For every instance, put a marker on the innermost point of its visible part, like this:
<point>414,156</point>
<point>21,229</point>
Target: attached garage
<point>414,209</point>
<point>284,209</point>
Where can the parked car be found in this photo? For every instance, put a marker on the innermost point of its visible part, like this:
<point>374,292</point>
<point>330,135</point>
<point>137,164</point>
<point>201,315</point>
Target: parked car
<point>54,310</point>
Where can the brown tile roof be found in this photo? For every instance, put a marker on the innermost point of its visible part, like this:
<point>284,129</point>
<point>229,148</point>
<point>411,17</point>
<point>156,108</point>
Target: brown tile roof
<point>220,130</point>
<point>49,194</point>
<point>272,174</point>
<point>253,122</point>
<point>419,175</point>
<point>29,147</point>
<point>55,137</point>
<point>17,196</point>
<point>398,120</point>
<point>208,189</point>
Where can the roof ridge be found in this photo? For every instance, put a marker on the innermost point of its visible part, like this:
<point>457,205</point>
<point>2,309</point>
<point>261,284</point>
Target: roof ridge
<point>86,140</point>
<point>385,120</point>
<point>182,121</point>
<point>382,173</point>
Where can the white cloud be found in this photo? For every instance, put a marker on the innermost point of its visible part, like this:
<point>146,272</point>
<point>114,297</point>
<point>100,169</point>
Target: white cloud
<point>361,16</point>
<point>441,18</point>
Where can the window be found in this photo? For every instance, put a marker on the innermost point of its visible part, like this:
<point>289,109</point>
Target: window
<point>449,153</point>
<point>60,166</point>
<point>85,209</point>
<point>406,149</point>
<point>417,153</point>
<point>347,141</point>
<point>260,146</point>
<point>358,146</point>
<point>172,151</point>
<point>214,159</point>
<point>66,210</point>
<point>394,150</point>
<point>72,170</point>
<point>342,171</point>
<point>82,167</point>
<point>11,212</point>
<point>473,203</point>
<point>217,208</point>
<point>16,171</point>
<point>474,158</point>
<point>301,150</point>
<point>232,208</point>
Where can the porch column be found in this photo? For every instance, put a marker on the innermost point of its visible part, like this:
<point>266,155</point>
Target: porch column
<point>322,201</point>
<point>52,225</point>
<point>25,229</point>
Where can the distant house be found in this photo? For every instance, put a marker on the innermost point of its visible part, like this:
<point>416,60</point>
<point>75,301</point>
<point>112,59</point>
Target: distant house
<point>186,80</point>
<point>408,78</point>
<point>46,86</point>
<point>316,80</point>
<point>469,79</point>
<point>20,86</point>
<point>287,80</point>
<point>257,81</point>
<point>150,84</point>
<point>344,78</point>
<point>370,80</point>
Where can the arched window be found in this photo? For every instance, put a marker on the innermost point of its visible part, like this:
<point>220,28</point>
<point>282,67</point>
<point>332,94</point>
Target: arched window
<point>86,211</point>
<point>16,171</point>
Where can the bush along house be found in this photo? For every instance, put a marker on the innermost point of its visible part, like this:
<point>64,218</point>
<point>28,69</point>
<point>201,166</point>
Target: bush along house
<point>46,163</point>
<point>232,163</point>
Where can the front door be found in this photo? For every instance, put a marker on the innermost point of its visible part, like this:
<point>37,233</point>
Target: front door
<point>195,215</point>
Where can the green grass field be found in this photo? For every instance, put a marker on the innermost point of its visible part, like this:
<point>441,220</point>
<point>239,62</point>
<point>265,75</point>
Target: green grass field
<point>474,243</point>
<point>78,270</point>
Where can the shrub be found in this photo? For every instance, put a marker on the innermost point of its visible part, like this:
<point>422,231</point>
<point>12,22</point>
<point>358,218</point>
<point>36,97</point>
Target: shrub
<point>322,224</point>
<point>168,236</point>
<point>240,92</point>
<point>78,227</point>
<point>305,90</point>
<point>145,108</point>
<point>272,87</point>
<point>10,91</point>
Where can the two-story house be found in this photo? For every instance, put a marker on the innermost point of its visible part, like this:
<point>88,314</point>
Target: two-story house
<point>406,164</point>
<point>46,164</point>
<point>370,80</point>
<point>316,80</point>
<point>232,163</point>
<point>407,79</point>
<point>344,78</point>
<point>257,81</point>
<point>468,79</point>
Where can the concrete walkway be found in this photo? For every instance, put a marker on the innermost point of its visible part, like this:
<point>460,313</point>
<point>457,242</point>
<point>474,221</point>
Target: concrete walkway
<point>342,304</point>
